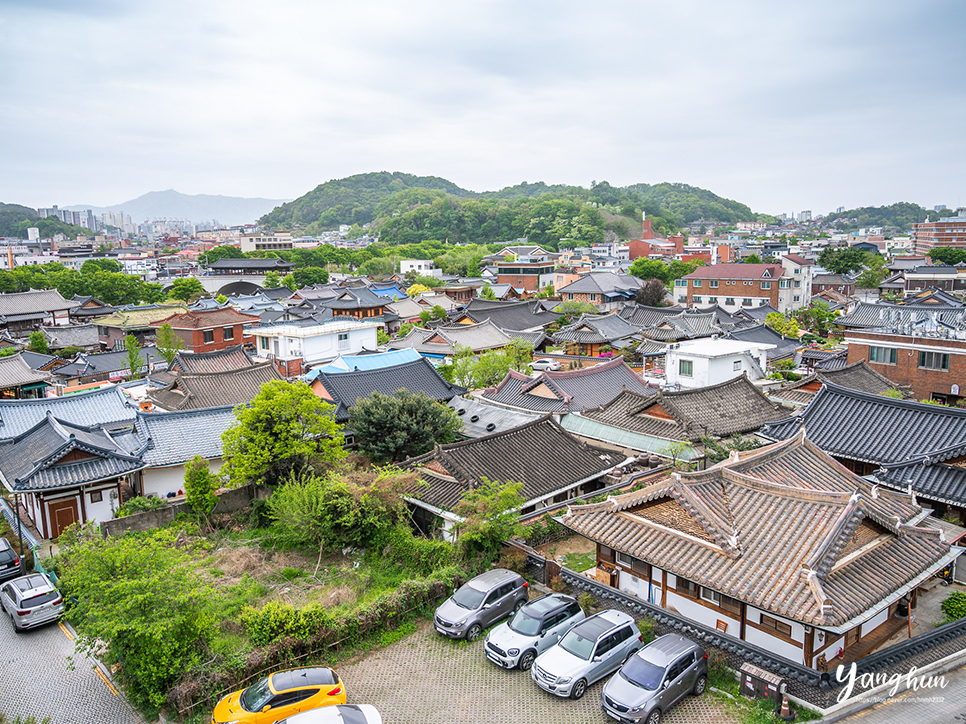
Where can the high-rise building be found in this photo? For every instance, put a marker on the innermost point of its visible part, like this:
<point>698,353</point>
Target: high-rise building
<point>948,231</point>
<point>840,209</point>
<point>805,216</point>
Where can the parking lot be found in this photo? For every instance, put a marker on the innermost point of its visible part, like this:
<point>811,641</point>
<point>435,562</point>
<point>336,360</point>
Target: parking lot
<point>427,679</point>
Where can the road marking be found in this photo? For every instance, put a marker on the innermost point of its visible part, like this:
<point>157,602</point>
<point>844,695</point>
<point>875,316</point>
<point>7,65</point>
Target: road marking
<point>67,633</point>
<point>104,679</point>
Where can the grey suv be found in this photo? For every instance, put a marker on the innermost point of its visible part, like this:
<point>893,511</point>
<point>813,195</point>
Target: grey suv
<point>481,602</point>
<point>532,630</point>
<point>654,680</point>
<point>9,560</point>
<point>588,652</point>
<point>30,601</point>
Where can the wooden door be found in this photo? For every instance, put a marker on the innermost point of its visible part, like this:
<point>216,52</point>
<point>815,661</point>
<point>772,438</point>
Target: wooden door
<point>62,514</point>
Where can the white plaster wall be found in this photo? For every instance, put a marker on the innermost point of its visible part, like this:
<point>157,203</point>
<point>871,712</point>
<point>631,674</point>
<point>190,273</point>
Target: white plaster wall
<point>102,510</point>
<point>876,620</point>
<point>702,614</point>
<point>161,481</point>
<point>633,584</point>
<point>773,643</point>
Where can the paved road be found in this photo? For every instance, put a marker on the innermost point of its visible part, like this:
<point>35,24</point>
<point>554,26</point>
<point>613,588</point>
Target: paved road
<point>35,680</point>
<point>925,706</point>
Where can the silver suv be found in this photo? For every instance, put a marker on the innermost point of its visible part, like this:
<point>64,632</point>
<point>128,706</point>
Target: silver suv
<point>655,679</point>
<point>532,630</point>
<point>481,602</point>
<point>588,652</point>
<point>30,601</point>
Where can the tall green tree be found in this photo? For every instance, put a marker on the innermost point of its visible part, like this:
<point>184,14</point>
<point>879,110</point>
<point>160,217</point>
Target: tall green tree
<point>841,261</point>
<point>272,280</point>
<point>491,515</point>
<point>200,485</point>
<point>135,362</point>
<point>645,268</point>
<point>186,288</point>
<point>391,428</point>
<point>38,342</point>
<point>487,369</point>
<point>168,343</point>
<point>285,430</point>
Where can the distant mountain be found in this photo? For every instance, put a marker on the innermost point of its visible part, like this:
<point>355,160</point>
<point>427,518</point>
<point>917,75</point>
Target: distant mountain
<point>899,216</point>
<point>228,210</point>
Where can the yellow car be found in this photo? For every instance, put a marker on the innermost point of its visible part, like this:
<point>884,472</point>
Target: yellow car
<point>280,695</point>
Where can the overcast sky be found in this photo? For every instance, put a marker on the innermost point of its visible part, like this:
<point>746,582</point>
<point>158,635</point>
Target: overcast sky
<point>783,106</point>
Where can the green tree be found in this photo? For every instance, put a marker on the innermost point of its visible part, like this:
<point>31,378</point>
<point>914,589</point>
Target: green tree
<point>645,268</point>
<point>841,261</point>
<point>417,289</point>
<point>487,369</point>
<point>752,259</point>
<point>140,596</point>
<point>135,362</point>
<point>787,326</point>
<point>186,288</point>
<point>651,293</point>
<point>817,317</point>
<point>573,310</point>
<point>220,252</point>
<point>38,342</point>
<point>168,343</point>
<point>487,293</point>
<point>391,428</point>
<point>221,299</point>
<point>438,312</point>
<point>716,451</point>
<point>289,281</point>
<point>425,316</point>
<point>309,276</point>
<point>284,431</point>
<point>92,266</point>
<point>947,255</point>
<point>272,280</point>
<point>491,515</point>
<point>200,486</point>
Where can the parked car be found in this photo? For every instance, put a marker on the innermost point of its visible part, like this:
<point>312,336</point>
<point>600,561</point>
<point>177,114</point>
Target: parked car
<point>31,601</point>
<point>281,695</point>
<point>545,364</point>
<point>9,561</point>
<point>532,630</point>
<point>338,714</point>
<point>588,652</point>
<point>655,679</point>
<point>481,602</point>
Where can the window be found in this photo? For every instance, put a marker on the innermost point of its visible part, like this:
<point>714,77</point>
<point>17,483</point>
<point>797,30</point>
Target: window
<point>97,496</point>
<point>696,282</point>
<point>796,298</point>
<point>766,285</point>
<point>593,297</point>
<point>884,355</point>
<point>934,361</point>
<point>209,335</point>
<point>798,284</point>
<point>737,365</point>
<point>686,368</point>
<point>570,297</point>
<point>263,342</point>
<point>746,302</point>
<point>714,283</point>
<point>682,299</point>
<point>721,601</point>
<point>775,625</point>
<point>227,332</point>
<point>766,274</point>
<point>730,301</point>
<point>686,587</point>
<point>783,284</point>
<point>712,300</point>
<point>624,559</point>
<point>344,340</point>
<point>697,300</point>
<point>763,302</point>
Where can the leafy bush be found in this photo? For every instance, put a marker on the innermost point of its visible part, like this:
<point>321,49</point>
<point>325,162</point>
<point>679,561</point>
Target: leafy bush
<point>513,559</point>
<point>416,553</point>
<point>200,486</point>
<point>490,516</point>
<point>954,606</point>
<point>277,620</point>
<point>646,627</point>
<point>140,504</point>
<point>719,673</point>
<point>587,602</point>
<point>544,530</point>
<point>558,584</point>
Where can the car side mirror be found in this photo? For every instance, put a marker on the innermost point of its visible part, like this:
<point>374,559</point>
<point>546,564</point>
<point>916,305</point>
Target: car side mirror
<point>487,605</point>
<point>266,707</point>
<point>666,684</point>
<point>598,659</point>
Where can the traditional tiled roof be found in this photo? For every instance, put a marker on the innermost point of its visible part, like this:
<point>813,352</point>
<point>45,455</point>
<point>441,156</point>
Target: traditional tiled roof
<point>74,335</point>
<point>214,389</point>
<point>540,454</point>
<point>603,283</point>
<point>868,315</point>
<point>361,298</point>
<point>139,317</point>
<point>737,271</point>
<point>784,528</point>
<point>206,318</point>
<point>15,372</point>
<point>596,329</point>
<point>832,279</point>
<point>101,363</point>
<point>785,347</point>
<point>222,360</point>
<point>443,340</point>
<point>36,302</point>
<point>933,480</point>
<point>756,314</point>
<point>44,362</point>
<point>510,315</point>
<point>686,325</point>
<point>932,295</point>
<point>245,264</point>
<point>642,316</point>
<point>343,389</point>
<point>566,391</point>
<point>480,419</point>
<point>108,406</point>
<point>729,408</point>
<point>856,376</point>
<point>834,362</point>
<point>30,460</point>
<point>875,429</point>
<point>173,438</point>
<point>405,308</point>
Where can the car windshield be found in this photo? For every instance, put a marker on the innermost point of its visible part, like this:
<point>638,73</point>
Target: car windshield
<point>39,599</point>
<point>6,555</point>
<point>256,696</point>
<point>642,673</point>
<point>524,624</point>
<point>577,645</point>
<point>468,597</point>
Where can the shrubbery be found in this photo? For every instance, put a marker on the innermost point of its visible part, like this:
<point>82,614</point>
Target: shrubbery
<point>140,504</point>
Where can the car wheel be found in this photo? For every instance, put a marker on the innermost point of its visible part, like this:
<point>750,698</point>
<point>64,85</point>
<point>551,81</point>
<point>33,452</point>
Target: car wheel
<point>518,605</point>
<point>700,685</point>
<point>655,717</point>
<point>473,632</point>
<point>579,689</point>
<point>14,624</point>
<point>526,661</point>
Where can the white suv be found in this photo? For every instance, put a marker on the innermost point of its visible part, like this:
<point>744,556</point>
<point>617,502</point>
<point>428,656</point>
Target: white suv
<point>31,601</point>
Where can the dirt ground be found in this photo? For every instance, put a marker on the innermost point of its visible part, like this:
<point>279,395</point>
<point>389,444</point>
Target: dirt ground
<point>571,544</point>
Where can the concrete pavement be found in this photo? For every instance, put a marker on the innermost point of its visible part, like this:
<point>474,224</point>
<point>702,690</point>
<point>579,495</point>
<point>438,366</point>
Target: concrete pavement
<point>925,706</point>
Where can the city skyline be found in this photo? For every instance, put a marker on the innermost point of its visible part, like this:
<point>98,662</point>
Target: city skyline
<point>782,108</point>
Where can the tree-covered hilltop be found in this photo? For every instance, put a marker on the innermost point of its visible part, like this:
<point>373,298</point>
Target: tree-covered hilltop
<point>899,217</point>
<point>16,219</point>
<point>406,209</point>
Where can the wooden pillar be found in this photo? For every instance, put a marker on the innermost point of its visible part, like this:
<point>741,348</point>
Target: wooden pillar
<point>663,589</point>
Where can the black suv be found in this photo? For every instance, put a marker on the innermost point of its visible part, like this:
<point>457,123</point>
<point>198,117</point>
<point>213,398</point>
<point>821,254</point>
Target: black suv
<point>9,561</point>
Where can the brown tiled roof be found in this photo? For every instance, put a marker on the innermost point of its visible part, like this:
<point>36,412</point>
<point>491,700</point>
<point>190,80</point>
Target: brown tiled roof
<point>774,528</point>
<point>540,454</point>
<point>205,318</point>
<point>214,389</point>
<point>728,408</point>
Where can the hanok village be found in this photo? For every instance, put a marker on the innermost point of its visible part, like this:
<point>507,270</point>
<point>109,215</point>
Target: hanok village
<point>797,506</point>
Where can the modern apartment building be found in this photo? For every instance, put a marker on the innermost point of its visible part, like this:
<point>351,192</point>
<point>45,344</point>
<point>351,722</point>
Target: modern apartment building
<point>274,241</point>
<point>948,231</point>
<point>732,286</point>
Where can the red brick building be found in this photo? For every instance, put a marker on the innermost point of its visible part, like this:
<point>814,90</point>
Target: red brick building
<point>208,330</point>
<point>949,231</point>
<point>524,274</point>
<point>934,367</point>
<point>733,286</point>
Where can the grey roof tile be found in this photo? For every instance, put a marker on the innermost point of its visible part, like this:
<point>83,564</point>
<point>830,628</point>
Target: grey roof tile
<point>214,389</point>
<point>35,301</point>
<point>172,438</point>
<point>108,406</point>
<point>15,371</point>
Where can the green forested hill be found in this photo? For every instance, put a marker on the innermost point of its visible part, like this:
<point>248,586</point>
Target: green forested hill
<point>900,216</point>
<point>16,219</point>
<point>406,209</point>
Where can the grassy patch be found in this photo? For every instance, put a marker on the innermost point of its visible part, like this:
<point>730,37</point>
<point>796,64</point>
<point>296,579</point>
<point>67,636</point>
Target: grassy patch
<point>580,561</point>
<point>391,637</point>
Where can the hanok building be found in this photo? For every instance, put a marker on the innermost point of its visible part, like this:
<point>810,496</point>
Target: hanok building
<point>107,366</point>
<point>605,290</point>
<point>589,334</point>
<point>523,316</point>
<point>567,390</point>
<point>245,267</point>
<point>208,330</point>
<point>213,389</point>
<point>781,347</point>
<point>81,336</point>
<point>107,407</point>
<point>442,343</point>
<point>89,308</point>
<point>552,465</point>
<point>22,312</point>
<point>134,321</point>
<point>856,376</point>
<point>18,380</point>
<point>673,424</point>
<point>780,547</point>
<point>65,473</point>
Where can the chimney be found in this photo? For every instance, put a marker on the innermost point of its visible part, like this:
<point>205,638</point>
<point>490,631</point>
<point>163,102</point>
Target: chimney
<point>648,232</point>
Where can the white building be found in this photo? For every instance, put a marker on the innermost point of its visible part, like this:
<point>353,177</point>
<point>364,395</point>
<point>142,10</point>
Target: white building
<point>316,342</point>
<point>276,241</point>
<point>704,362</point>
<point>424,267</point>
